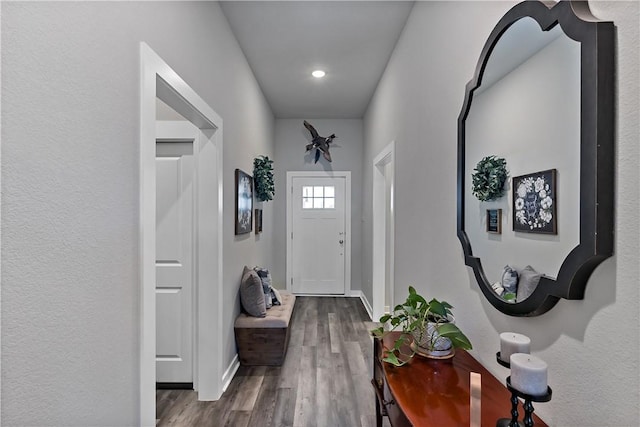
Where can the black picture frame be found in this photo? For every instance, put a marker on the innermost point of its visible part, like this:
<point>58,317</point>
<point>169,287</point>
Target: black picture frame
<point>534,202</point>
<point>244,202</point>
<point>494,221</point>
<point>258,216</point>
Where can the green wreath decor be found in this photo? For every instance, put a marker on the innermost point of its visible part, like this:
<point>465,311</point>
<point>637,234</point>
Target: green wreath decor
<point>263,178</point>
<point>489,177</point>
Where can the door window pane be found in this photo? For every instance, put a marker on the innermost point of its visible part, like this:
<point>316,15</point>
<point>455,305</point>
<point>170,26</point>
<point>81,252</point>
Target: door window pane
<point>329,191</point>
<point>318,197</point>
<point>307,191</point>
<point>307,203</point>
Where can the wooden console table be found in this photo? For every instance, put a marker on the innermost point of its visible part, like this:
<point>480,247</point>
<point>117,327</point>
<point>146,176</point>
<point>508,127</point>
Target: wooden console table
<point>435,393</point>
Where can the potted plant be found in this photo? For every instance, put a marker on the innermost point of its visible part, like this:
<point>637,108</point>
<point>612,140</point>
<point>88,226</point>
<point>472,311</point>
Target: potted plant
<point>430,324</point>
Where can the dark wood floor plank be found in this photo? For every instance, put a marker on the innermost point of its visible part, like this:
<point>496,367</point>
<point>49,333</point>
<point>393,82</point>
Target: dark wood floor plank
<point>310,317</point>
<point>285,407</point>
<point>238,419</point>
<point>264,408</point>
<point>305,408</point>
<point>324,381</point>
<point>335,334</point>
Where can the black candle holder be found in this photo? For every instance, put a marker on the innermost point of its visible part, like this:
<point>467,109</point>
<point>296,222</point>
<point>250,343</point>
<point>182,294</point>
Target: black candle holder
<point>502,362</point>
<point>528,407</point>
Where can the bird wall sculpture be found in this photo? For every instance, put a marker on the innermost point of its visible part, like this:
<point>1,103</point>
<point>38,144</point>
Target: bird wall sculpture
<point>320,143</point>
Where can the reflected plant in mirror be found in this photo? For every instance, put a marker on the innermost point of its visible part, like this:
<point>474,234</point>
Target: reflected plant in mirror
<point>540,97</point>
<point>488,178</point>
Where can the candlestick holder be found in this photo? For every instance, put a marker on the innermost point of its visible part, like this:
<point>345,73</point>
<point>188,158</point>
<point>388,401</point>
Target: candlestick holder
<point>502,362</point>
<point>528,407</point>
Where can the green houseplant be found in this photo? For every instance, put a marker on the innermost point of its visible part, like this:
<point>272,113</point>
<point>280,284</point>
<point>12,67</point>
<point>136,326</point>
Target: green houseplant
<point>263,178</point>
<point>428,323</point>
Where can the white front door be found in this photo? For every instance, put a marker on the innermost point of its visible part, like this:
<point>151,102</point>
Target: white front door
<point>174,262</point>
<point>318,239</point>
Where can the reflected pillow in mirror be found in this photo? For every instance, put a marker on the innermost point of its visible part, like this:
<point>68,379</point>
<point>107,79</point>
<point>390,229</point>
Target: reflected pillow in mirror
<point>529,279</point>
<point>509,280</point>
<point>497,288</point>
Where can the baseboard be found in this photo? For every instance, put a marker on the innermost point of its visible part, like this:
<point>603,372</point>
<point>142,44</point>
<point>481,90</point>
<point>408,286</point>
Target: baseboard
<point>174,386</point>
<point>365,302</point>
<point>230,372</point>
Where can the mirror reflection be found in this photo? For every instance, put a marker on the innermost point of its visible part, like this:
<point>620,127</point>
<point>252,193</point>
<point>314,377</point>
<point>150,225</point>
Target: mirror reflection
<point>527,112</point>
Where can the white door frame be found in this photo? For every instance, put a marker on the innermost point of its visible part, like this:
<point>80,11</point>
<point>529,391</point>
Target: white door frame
<point>157,79</point>
<point>347,222</point>
<point>383,250</point>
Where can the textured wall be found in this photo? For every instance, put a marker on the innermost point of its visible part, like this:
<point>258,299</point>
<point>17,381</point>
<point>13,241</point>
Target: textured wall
<point>70,129</point>
<point>346,154</point>
<point>591,345</point>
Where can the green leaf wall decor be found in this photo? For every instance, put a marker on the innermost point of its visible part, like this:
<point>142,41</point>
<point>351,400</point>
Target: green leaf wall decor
<point>263,178</point>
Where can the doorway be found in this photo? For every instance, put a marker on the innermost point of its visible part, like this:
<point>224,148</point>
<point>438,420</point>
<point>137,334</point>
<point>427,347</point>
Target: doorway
<point>158,80</point>
<point>383,230</point>
<point>319,233</point>
<point>175,250</point>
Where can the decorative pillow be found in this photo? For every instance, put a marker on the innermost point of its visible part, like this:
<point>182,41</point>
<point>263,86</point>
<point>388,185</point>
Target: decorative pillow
<point>509,280</point>
<point>529,279</point>
<point>251,294</point>
<point>277,298</point>
<point>497,288</point>
<point>265,277</point>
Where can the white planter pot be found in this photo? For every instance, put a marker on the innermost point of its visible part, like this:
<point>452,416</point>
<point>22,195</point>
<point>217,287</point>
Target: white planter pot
<point>441,345</point>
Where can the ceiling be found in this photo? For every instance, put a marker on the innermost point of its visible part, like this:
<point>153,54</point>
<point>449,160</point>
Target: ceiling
<point>284,41</point>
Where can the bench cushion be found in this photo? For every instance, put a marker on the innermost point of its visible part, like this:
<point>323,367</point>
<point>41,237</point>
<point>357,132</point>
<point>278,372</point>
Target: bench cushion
<point>277,316</point>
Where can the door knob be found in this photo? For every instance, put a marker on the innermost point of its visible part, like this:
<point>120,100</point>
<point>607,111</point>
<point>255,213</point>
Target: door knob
<point>341,241</point>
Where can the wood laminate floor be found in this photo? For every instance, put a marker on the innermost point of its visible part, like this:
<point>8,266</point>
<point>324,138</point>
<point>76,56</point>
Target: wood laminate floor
<point>324,381</point>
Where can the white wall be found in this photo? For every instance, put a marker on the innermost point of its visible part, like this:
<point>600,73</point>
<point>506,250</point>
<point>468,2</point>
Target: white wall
<point>70,285</point>
<point>346,153</point>
<point>591,345</point>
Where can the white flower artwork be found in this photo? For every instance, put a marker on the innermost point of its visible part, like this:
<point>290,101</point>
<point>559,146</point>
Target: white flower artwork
<point>534,202</point>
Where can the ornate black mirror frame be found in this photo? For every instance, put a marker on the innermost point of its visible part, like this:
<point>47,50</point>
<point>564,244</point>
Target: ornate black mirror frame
<point>596,153</point>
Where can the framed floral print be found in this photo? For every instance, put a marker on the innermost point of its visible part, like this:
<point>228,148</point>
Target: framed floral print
<point>534,202</point>
<point>244,202</point>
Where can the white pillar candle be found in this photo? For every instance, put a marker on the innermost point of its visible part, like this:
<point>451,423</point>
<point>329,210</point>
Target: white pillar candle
<point>510,343</point>
<point>528,374</point>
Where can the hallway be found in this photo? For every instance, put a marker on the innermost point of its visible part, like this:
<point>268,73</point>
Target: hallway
<point>325,380</point>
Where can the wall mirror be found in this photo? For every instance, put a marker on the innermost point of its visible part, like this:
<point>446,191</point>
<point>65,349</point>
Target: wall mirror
<point>541,99</point>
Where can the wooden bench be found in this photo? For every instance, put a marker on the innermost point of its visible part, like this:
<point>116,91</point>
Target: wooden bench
<point>264,340</point>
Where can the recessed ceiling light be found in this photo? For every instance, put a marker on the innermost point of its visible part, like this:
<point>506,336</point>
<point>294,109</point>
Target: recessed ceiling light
<point>318,74</point>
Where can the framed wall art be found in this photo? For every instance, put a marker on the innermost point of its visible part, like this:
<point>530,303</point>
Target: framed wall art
<point>258,215</point>
<point>494,221</point>
<point>534,202</point>
<point>244,202</point>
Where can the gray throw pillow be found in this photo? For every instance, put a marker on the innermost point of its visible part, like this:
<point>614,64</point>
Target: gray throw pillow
<point>277,298</point>
<point>251,294</point>
<point>509,280</point>
<point>529,279</point>
<point>265,277</point>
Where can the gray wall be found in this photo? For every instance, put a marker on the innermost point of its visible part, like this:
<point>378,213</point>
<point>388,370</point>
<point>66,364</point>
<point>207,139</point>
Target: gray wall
<point>346,153</point>
<point>70,131</point>
<point>593,369</point>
